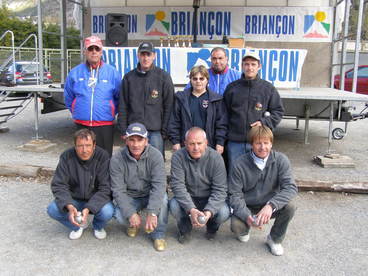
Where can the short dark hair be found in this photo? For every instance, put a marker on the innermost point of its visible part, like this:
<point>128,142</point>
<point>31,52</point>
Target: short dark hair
<point>84,133</point>
<point>259,132</point>
<point>218,49</point>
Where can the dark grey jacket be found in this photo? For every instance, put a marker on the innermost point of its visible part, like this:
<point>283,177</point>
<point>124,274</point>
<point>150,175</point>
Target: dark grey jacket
<point>181,119</point>
<point>246,102</point>
<point>82,180</point>
<point>250,186</point>
<point>131,178</point>
<point>146,98</point>
<point>205,177</point>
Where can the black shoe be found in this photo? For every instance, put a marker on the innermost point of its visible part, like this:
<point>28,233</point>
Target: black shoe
<point>184,238</point>
<point>210,236</point>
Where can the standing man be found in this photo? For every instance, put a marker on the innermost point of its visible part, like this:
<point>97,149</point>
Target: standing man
<point>91,94</point>
<point>250,101</point>
<point>220,72</point>
<point>261,187</point>
<point>81,183</point>
<point>138,182</point>
<point>198,181</point>
<point>147,97</point>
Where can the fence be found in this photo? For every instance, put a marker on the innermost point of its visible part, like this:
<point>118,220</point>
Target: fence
<point>51,58</point>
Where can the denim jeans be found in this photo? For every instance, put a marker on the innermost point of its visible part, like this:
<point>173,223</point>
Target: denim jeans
<point>139,204</point>
<point>155,139</point>
<point>278,231</point>
<point>234,150</point>
<point>184,223</point>
<point>99,221</point>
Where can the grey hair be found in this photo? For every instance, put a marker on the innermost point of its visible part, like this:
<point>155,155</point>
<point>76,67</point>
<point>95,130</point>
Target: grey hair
<point>195,129</point>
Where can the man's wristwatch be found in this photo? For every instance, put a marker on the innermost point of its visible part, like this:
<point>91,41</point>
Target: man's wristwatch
<point>272,206</point>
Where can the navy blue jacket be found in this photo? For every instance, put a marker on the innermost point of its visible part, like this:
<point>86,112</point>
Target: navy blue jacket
<point>181,119</point>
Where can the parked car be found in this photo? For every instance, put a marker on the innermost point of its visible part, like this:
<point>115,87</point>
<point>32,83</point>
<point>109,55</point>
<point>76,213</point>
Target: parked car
<point>362,80</point>
<point>26,72</point>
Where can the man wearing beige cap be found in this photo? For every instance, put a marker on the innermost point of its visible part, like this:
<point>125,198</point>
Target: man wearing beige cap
<point>250,101</point>
<point>91,94</point>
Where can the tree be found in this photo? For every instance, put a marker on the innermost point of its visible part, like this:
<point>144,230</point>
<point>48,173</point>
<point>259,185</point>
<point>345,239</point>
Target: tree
<point>353,20</point>
<point>23,28</point>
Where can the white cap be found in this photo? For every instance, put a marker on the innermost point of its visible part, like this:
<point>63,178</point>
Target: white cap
<point>251,54</point>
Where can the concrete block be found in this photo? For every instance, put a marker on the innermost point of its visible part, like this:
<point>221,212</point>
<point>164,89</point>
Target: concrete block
<point>335,161</point>
<point>19,170</point>
<point>37,145</point>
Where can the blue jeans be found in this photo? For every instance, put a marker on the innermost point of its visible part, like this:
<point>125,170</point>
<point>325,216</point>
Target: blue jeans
<point>99,221</point>
<point>139,204</point>
<point>155,139</point>
<point>234,150</point>
<point>184,223</point>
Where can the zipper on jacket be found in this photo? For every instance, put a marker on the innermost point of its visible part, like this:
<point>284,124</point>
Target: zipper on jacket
<point>90,116</point>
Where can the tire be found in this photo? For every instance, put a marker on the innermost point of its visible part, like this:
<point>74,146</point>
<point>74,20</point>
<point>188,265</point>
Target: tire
<point>338,133</point>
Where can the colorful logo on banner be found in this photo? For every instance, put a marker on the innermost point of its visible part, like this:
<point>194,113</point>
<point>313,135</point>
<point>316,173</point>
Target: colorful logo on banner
<point>156,24</point>
<point>315,26</point>
<point>202,57</point>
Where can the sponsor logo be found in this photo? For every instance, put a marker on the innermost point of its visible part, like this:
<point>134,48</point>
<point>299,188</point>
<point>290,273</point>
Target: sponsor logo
<point>156,24</point>
<point>316,26</point>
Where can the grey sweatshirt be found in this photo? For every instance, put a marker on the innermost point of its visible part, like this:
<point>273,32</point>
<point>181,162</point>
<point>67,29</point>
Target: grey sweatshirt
<point>205,177</point>
<point>131,178</point>
<point>250,186</point>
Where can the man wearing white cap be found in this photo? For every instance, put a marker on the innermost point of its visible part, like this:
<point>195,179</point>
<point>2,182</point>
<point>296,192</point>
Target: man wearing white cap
<point>91,94</point>
<point>138,181</point>
<point>250,101</point>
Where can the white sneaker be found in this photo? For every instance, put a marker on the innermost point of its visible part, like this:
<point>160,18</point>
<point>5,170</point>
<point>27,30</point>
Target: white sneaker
<point>276,248</point>
<point>100,234</point>
<point>244,238</point>
<point>74,235</point>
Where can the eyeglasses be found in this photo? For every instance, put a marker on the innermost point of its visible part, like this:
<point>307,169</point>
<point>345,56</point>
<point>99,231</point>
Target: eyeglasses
<point>91,48</point>
<point>198,79</point>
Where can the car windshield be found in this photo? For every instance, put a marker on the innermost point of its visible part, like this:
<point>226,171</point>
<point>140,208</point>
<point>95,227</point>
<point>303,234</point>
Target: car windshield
<point>31,67</point>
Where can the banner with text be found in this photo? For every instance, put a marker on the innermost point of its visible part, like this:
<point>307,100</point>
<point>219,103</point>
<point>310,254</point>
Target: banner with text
<point>293,24</point>
<point>282,67</point>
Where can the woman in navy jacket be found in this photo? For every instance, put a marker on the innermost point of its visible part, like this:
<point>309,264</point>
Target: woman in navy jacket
<point>198,106</point>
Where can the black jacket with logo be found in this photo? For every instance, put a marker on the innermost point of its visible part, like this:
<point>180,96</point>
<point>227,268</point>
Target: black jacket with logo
<point>82,180</point>
<point>181,119</point>
<point>247,101</point>
<point>146,98</point>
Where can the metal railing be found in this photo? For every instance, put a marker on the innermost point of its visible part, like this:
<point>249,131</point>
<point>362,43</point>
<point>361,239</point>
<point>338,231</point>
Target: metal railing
<point>51,58</point>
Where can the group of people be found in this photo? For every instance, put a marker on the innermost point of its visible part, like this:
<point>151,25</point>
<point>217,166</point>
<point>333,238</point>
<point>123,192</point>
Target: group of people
<point>221,115</point>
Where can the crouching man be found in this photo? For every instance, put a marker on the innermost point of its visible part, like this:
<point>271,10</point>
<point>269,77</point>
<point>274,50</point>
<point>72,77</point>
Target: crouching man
<point>138,182</point>
<point>198,181</point>
<point>261,187</point>
<point>82,184</point>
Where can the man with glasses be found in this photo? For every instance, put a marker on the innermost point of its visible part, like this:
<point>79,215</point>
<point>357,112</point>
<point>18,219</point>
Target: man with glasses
<point>91,94</point>
<point>147,97</point>
<point>81,186</point>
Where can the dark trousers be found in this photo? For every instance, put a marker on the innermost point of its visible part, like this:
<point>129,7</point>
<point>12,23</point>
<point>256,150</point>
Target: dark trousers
<point>278,231</point>
<point>104,136</point>
<point>183,220</point>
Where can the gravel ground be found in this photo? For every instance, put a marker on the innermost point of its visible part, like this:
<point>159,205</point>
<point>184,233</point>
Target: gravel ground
<point>326,237</point>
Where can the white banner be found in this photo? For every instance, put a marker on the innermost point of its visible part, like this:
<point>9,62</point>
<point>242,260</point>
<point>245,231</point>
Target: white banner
<point>282,67</point>
<point>293,24</point>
